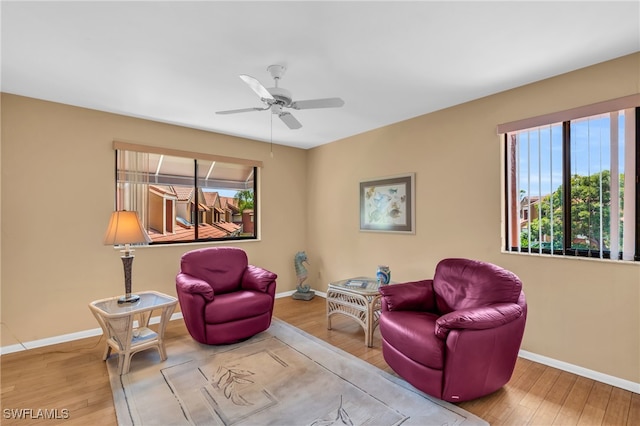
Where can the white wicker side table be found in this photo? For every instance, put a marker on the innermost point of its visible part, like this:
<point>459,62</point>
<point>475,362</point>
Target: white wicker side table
<point>117,323</point>
<point>357,298</point>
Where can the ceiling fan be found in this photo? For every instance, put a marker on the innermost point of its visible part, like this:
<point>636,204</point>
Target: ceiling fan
<point>277,98</point>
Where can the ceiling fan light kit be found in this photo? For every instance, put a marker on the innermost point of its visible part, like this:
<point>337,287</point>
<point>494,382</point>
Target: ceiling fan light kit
<point>277,98</point>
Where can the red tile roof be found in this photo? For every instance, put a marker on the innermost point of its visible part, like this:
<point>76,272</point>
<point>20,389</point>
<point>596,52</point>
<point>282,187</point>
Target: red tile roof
<point>162,189</point>
<point>210,198</point>
<point>183,192</point>
<point>227,226</point>
<point>230,203</point>
<point>182,234</point>
<point>201,207</point>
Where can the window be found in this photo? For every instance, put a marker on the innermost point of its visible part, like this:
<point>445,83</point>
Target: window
<point>187,197</point>
<point>572,184</point>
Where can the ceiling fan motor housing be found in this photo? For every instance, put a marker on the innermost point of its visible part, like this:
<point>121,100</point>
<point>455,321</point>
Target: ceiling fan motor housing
<point>282,96</point>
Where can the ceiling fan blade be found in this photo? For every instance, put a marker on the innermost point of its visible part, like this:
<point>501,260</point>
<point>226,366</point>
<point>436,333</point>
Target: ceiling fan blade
<point>318,103</point>
<point>290,120</point>
<point>257,87</point>
<point>234,111</point>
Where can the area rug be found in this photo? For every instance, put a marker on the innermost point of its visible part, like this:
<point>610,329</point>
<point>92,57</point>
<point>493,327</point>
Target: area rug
<point>282,376</point>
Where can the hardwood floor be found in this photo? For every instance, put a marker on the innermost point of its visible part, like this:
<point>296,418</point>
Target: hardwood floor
<point>71,376</point>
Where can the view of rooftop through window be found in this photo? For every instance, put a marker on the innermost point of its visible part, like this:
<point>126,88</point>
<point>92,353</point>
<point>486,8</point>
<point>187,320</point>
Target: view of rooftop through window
<point>181,199</point>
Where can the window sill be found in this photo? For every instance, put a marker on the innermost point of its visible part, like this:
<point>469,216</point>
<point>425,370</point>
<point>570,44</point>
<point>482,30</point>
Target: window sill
<point>573,258</point>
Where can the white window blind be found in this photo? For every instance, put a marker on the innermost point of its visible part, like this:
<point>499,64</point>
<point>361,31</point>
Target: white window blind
<point>572,185</point>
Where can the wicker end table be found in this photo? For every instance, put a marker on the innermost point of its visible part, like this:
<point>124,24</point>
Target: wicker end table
<point>117,323</point>
<point>357,298</point>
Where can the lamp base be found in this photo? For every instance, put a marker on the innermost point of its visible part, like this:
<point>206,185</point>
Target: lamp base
<point>129,298</point>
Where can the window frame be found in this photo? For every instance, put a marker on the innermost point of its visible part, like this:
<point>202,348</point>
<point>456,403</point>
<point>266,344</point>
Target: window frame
<point>255,165</point>
<point>565,118</point>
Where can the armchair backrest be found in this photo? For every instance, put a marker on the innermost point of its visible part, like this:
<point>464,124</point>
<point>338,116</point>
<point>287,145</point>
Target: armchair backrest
<point>465,283</point>
<point>221,267</point>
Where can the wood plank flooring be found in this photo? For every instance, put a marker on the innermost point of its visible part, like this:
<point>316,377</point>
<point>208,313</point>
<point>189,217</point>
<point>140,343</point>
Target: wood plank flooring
<point>72,376</point>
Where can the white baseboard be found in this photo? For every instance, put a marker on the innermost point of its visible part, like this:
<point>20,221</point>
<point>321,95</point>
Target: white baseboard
<point>68,337</point>
<point>541,359</point>
<point>581,371</point>
<point>98,331</point>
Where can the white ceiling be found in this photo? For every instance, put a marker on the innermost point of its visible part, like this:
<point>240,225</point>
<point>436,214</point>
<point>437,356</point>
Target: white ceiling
<point>178,62</point>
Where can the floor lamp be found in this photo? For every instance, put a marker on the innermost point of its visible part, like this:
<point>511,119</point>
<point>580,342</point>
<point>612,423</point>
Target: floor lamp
<point>125,228</point>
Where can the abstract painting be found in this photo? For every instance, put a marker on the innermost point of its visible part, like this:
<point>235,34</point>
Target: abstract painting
<point>387,204</point>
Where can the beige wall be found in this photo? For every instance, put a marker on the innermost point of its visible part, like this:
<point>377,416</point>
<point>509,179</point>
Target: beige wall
<point>58,193</point>
<point>581,312</point>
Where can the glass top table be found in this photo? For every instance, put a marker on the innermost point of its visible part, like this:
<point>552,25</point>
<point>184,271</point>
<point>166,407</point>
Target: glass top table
<point>364,285</point>
<point>148,300</point>
<point>126,325</point>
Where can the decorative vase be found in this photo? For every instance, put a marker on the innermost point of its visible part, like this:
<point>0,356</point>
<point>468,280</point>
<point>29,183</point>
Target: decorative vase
<point>383,275</point>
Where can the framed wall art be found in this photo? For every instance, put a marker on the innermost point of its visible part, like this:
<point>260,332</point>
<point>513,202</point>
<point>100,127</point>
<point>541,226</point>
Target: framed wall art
<point>388,204</point>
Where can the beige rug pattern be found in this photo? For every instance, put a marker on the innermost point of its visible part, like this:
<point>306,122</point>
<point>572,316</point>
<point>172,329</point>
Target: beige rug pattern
<point>282,376</point>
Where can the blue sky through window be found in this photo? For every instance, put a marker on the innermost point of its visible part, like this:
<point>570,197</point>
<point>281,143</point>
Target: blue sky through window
<point>540,152</point>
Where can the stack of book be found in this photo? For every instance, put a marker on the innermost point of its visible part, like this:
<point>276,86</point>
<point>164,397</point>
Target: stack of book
<point>357,283</point>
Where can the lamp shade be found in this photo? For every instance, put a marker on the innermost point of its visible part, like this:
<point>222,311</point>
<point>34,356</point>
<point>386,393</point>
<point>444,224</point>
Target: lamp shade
<point>125,228</point>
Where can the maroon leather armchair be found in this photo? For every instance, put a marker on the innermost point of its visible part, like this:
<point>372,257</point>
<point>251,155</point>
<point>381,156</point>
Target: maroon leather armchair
<point>223,298</point>
<point>455,337</point>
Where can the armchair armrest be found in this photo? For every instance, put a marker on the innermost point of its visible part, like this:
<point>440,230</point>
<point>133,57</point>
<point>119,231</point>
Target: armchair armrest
<point>411,296</point>
<point>258,279</point>
<point>478,318</point>
<point>190,284</point>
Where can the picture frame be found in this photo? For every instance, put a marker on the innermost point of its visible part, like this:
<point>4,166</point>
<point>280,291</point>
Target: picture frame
<point>387,204</point>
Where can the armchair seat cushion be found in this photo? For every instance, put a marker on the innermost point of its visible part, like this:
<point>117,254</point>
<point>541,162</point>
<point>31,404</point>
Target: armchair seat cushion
<point>412,333</point>
<point>236,306</point>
